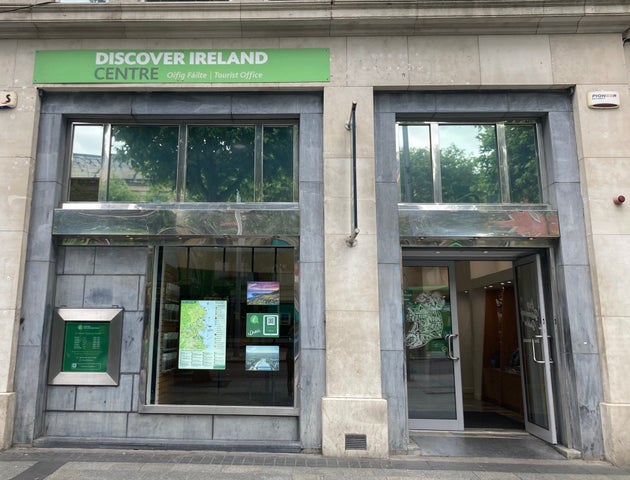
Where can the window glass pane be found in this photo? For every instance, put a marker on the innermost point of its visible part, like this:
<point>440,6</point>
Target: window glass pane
<point>414,154</point>
<point>246,163</point>
<point>278,164</point>
<point>264,260</point>
<point>220,164</point>
<point>469,165</point>
<point>143,163</point>
<point>87,151</point>
<point>523,163</point>
<point>224,331</point>
<point>237,260</point>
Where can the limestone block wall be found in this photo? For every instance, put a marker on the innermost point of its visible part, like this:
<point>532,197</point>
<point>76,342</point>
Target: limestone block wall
<point>353,404</point>
<point>90,277</point>
<point>604,153</point>
<point>93,277</point>
<point>17,137</point>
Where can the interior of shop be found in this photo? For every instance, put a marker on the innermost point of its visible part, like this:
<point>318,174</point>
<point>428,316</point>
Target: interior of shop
<point>482,321</point>
<point>491,373</point>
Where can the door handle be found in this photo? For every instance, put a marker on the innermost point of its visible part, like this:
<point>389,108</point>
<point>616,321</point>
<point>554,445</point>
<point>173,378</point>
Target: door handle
<point>450,345</point>
<point>534,349</point>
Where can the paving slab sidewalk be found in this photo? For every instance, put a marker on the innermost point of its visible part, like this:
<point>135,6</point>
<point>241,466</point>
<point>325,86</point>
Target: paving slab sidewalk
<point>119,464</point>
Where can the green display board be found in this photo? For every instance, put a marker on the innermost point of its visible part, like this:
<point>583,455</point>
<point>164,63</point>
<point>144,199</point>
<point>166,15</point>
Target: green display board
<point>183,66</point>
<point>261,325</point>
<point>86,347</point>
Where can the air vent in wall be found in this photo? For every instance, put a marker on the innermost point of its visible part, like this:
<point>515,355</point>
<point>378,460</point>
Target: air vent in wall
<point>356,442</point>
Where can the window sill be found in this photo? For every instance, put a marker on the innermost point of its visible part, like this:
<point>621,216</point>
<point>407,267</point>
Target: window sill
<point>179,206</point>
<point>220,410</point>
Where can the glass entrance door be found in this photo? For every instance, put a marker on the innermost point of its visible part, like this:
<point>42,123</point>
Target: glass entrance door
<point>535,346</point>
<point>434,392</point>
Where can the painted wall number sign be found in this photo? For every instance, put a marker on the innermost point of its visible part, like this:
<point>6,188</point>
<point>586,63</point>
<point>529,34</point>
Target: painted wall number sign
<point>8,100</point>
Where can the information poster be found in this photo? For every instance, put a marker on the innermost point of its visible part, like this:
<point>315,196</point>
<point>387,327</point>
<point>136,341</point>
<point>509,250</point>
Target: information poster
<point>262,358</point>
<point>202,334</point>
<point>260,325</point>
<point>263,293</point>
<point>86,346</point>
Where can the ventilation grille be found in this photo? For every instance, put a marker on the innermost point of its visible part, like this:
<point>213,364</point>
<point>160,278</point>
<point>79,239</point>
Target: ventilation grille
<point>356,442</point>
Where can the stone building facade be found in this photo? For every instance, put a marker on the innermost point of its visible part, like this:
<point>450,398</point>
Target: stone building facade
<point>365,93</point>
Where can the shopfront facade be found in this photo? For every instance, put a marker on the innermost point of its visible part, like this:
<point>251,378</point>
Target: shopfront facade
<point>372,236</point>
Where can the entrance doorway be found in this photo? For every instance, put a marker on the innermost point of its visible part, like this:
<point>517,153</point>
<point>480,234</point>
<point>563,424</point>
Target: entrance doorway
<point>478,352</point>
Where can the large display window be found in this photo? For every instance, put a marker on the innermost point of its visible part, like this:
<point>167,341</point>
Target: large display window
<point>223,332</point>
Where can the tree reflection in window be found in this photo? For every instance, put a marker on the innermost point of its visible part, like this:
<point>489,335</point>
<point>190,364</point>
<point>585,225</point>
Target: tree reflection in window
<point>469,164</point>
<point>222,163</point>
<point>464,163</point>
<point>522,156</point>
<point>143,163</point>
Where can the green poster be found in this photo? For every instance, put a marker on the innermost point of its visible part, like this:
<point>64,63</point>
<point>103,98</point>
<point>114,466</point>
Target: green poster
<point>428,318</point>
<point>260,325</point>
<point>278,65</point>
<point>86,346</point>
<point>271,325</point>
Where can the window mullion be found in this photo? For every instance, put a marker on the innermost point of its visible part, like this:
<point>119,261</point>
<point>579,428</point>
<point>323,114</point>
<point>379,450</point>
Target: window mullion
<point>296,156</point>
<point>182,154</point>
<point>258,164</point>
<point>105,163</point>
<point>154,337</point>
<point>435,162</point>
<point>404,165</point>
<point>504,172</point>
<point>542,165</point>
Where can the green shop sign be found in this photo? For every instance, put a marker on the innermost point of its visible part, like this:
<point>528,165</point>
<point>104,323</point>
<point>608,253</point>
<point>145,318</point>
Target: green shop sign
<point>183,66</point>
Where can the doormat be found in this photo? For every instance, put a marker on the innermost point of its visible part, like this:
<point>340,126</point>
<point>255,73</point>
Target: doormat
<point>491,420</point>
<point>450,444</point>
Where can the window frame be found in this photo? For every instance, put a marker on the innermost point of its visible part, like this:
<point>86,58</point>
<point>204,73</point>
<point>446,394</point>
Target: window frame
<point>259,125</point>
<point>502,156</point>
<point>150,357</point>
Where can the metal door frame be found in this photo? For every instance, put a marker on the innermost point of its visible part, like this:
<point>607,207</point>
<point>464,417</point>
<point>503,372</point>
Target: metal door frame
<point>458,422</point>
<point>517,256</point>
<point>549,435</point>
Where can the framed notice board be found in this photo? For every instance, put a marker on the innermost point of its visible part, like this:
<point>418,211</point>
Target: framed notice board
<point>85,347</point>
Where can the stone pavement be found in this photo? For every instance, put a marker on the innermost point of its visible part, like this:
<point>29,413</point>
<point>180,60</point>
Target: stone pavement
<point>119,464</point>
